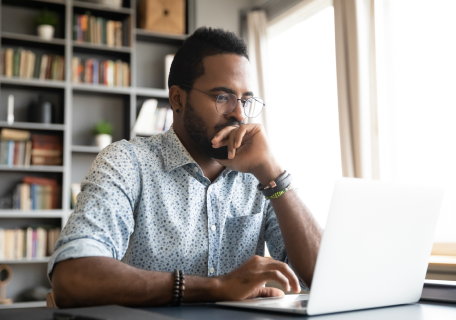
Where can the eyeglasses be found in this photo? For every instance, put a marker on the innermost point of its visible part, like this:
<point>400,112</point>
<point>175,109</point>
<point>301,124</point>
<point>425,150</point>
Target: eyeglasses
<point>226,102</point>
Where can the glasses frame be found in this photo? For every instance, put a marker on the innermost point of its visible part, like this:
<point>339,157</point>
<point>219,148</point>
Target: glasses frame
<point>215,96</point>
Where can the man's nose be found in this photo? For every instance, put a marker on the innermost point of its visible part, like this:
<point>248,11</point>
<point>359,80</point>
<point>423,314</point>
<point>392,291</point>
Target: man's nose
<point>237,112</point>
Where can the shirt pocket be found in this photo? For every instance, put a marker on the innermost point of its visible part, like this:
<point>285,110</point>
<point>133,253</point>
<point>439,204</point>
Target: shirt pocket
<point>240,240</point>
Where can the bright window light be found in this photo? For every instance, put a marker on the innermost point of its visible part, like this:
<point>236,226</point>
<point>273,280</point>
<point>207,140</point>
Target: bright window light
<point>417,106</point>
<point>302,108</point>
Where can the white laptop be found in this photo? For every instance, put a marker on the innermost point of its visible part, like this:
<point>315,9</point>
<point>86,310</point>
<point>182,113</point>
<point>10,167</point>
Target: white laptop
<point>374,251</point>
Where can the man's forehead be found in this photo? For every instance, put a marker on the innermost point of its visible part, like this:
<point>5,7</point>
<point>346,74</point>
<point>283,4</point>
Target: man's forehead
<point>226,71</point>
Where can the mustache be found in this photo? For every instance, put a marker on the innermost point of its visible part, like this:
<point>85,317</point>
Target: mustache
<point>231,122</point>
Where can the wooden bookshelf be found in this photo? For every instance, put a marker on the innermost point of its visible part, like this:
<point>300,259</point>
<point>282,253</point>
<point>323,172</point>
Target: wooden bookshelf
<point>80,104</point>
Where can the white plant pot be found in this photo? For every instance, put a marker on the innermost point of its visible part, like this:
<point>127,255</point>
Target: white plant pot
<point>103,140</point>
<point>46,31</point>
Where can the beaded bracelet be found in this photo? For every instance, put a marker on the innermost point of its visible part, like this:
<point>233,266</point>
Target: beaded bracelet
<point>179,287</point>
<point>279,193</point>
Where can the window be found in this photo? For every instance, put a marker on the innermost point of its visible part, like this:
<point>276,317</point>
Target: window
<point>417,99</point>
<point>302,98</point>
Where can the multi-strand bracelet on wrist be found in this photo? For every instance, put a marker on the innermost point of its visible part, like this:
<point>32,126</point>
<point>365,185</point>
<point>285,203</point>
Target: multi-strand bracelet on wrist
<point>277,187</point>
<point>179,287</point>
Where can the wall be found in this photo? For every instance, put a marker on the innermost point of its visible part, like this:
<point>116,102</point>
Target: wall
<point>220,13</point>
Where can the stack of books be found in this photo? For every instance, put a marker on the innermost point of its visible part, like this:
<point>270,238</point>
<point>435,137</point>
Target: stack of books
<point>15,147</point>
<point>21,148</point>
<point>28,65</point>
<point>46,150</point>
<point>36,193</point>
<point>30,243</point>
<point>97,30</point>
<point>107,72</point>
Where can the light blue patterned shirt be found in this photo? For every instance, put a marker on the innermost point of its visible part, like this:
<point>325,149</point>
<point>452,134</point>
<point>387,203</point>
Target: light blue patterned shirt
<point>146,202</point>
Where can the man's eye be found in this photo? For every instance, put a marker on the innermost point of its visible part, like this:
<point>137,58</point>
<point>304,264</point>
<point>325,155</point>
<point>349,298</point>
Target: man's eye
<point>223,98</point>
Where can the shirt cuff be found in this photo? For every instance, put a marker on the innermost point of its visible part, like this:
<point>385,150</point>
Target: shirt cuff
<point>77,249</point>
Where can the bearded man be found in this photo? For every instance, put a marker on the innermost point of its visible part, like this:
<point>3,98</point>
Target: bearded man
<point>190,210</point>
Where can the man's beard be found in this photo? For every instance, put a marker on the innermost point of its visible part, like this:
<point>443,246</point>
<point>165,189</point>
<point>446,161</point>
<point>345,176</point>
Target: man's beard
<point>197,130</point>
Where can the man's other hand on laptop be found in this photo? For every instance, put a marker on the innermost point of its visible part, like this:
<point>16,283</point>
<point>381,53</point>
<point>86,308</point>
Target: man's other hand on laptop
<point>246,282</point>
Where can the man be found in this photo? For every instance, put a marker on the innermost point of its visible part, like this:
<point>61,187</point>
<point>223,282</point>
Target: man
<point>188,200</point>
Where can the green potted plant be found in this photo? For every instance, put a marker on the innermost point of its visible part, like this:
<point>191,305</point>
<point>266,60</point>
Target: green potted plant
<point>46,22</point>
<point>103,134</point>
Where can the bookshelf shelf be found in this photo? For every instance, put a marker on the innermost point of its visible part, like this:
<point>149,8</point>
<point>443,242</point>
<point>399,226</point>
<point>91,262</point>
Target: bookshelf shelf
<point>87,46</point>
<point>27,214</point>
<point>145,35</point>
<point>33,126</point>
<point>36,3</point>
<point>151,92</point>
<point>86,149</point>
<point>97,7</point>
<point>32,168</point>
<point>22,261</point>
<point>25,38</point>
<point>33,82</point>
<point>101,88</point>
<point>31,304</point>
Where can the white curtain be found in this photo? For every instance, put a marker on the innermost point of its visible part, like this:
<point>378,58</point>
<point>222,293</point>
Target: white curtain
<point>356,82</point>
<point>258,49</point>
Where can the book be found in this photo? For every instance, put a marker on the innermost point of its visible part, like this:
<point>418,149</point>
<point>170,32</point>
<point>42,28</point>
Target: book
<point>13,134</point>
<point>2,241</point>
<point>44,192</point>
<point>160,120</point>
<point>75,190</point>
<point>4,152</point>
<point>95,70</point>
<point>146,119</point>
<point>43,67</point>
<point>2,61</point>
<point>31,57</point>
<point>169,119</point>
<point>23,63</point>
<point>9,62</point>
<point>17,62</point>
<point>36,71</point>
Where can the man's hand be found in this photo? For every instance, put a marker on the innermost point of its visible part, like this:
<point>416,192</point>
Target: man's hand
<point>248,151</point>
<point>246,282</point>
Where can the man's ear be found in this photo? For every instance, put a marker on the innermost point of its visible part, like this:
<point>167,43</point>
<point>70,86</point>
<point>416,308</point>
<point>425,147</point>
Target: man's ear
<point>177,98</point>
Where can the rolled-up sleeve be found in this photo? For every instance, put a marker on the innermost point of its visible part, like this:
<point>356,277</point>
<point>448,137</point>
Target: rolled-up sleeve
<point>274,240</point>
<point>102,221</point>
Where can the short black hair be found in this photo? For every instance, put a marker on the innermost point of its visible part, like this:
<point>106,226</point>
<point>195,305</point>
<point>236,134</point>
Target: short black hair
<point>188,65</point>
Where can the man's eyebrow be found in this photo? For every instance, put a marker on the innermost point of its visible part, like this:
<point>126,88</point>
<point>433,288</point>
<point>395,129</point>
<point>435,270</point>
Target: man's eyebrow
<point>228,90</point>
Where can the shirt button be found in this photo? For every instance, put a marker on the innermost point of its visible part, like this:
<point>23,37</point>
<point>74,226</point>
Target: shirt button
<point>211,270</point>
<point>195,169</point>
<point>213,228</point>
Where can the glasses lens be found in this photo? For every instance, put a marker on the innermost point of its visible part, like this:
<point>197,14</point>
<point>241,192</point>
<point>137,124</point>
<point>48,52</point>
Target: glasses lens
<point>225,103</point>
<point>253,107</point>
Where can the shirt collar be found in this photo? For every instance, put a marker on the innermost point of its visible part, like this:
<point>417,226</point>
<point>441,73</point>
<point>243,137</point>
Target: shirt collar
<point>175,154</point>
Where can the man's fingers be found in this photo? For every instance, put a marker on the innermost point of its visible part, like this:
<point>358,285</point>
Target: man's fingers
<point>270,292</point>
<point>223,134</point>
<point>277,276</point>
<point>231,146</point>
<point>239,136</point>
<point>287,272</point>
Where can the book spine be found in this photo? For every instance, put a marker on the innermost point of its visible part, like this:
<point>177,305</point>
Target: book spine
<point>2,61</point>
<point>75,27</point>
<point>9,57</point>
<point>17,62</point>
